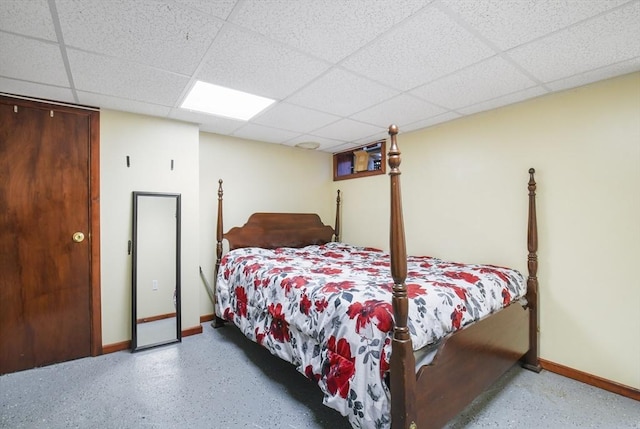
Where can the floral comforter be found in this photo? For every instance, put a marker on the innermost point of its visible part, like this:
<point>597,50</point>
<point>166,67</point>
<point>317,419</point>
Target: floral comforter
<point>327,310</point>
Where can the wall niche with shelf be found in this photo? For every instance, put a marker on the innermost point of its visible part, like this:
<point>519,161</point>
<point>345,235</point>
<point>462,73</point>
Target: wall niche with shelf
<point>362,161</point>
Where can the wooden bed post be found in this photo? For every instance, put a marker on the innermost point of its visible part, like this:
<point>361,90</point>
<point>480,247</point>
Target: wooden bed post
<point>336,229</point>
<point>531,358</point>
<point>402,365</point>
<point>218,322</point>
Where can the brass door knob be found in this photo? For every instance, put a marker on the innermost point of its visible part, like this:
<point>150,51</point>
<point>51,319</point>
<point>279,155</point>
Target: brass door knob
<point>78,237</point>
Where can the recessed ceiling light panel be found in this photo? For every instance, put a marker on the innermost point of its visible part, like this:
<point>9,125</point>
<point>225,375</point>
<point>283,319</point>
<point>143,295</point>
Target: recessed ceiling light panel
<point>230,103</point>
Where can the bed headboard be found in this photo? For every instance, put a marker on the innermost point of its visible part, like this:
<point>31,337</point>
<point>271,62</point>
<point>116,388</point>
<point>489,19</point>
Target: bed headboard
<point>271,230</point>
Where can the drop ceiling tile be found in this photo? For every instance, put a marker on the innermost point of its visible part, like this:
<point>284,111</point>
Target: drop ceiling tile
<point>401,110</point>
<point>249,62</point>
<point>511,23</point>
<point>483,81</point>
<point>150,32</point>
<point>208,123</point>
<point>381,134</point>
<point>504,100</point>
<point>346,130</point>
<point>30,89</point>
<point>29,18</point>
<point>607,72</point>
<point>570,51</point>
<point>428,46</point>
<point>341,93</point>
<point>218,8</point>
<point>425,123</point>
<point>215,128</point>
<point>119,78</point>
<point>341,148</point>
<point>294,118</point>
<point>266,134</point>
<point>38,62</point>
<point>328,29</point>
<point>121,104</point>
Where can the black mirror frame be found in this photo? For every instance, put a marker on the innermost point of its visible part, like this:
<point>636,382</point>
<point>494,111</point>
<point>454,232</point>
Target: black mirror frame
<point>134,271</point>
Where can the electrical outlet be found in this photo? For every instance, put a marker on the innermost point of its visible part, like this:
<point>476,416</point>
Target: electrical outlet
<point>154,284</point>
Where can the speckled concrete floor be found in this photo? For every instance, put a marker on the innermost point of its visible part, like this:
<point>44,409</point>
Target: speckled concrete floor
<point>214,380</point>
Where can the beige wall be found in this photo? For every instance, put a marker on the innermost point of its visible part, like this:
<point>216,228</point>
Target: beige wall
<point>258,177</point>
<point>465,198</point>
<point>151,144</point>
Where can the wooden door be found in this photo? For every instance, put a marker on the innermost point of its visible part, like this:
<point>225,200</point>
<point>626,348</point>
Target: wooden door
<point>46,281</point>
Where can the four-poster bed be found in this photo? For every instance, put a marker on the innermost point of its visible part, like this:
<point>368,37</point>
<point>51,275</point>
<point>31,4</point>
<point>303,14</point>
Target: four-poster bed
<point>336,313</point>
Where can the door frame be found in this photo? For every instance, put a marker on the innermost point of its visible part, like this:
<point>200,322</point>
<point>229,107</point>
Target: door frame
<point>93,115</point>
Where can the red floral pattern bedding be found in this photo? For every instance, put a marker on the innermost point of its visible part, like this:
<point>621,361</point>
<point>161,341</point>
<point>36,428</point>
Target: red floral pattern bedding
<point>327,310</point>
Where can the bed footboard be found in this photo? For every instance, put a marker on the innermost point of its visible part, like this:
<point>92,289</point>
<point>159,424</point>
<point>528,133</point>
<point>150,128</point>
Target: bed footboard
<point>468,361</point>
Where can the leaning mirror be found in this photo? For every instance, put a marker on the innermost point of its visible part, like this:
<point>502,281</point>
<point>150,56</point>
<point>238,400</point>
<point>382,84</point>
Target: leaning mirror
<point>155,270</point>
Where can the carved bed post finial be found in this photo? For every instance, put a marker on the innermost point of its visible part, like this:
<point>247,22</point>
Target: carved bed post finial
<point>394,152</point>
<point>403,379</point>
<point>337,224</point>
<point>219,237</point>
<point>531,358</point>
